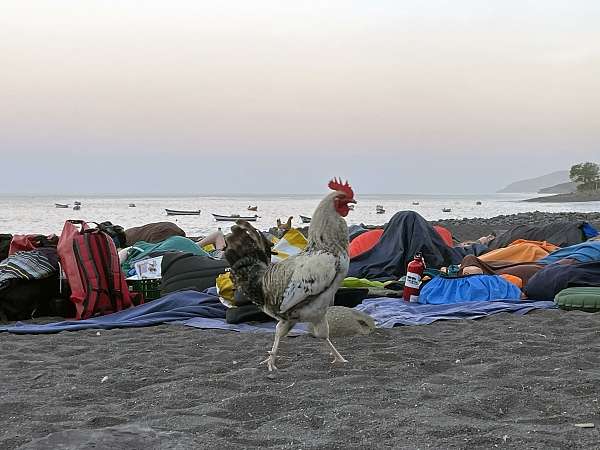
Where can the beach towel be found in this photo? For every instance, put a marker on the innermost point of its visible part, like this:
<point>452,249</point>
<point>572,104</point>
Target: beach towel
<point>291,243</point>
<point>584,252</point>
<point>28,265</point>
<point>173,307</point>
<point>441,290</point>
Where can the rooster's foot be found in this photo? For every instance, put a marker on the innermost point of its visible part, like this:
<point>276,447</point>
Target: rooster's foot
<point>270,362</point>
<point>341,359</point>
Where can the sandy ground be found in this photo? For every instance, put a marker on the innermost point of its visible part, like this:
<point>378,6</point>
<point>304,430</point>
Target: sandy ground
<point>504,381</point>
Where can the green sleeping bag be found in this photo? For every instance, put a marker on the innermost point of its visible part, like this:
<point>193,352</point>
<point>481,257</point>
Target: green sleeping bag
<point>579,298</point>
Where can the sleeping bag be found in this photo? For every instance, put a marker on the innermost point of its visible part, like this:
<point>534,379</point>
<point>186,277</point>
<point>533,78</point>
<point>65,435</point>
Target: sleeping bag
<point>561,234</point>
<point>184,271</point>
<point>584,252</point>
<point>552,279</point>
<point>441,290</point>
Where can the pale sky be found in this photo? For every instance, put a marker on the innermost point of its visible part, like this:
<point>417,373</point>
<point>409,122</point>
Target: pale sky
<point>276,96</point>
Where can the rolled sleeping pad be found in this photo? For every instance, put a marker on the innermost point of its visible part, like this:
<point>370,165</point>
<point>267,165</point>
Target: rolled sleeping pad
<point>579,298</point>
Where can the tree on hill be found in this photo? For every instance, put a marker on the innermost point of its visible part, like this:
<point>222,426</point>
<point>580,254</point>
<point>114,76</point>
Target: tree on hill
<point>587,175</point>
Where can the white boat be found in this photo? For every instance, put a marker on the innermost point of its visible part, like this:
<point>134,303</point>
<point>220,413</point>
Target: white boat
<point>178,212</point>
<point>61,205</point>
<point>234,217</point>
<point>446,210</point>
<point>379,209</point>
<point>132,205</point>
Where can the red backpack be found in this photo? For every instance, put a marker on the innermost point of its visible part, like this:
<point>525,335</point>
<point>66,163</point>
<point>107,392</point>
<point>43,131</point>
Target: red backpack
<point>89,259</point>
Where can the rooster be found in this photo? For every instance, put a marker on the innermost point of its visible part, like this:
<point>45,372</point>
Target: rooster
<point>301,287</point>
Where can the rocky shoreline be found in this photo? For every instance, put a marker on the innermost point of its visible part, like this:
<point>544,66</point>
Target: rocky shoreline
<point>572,197</point>
<point>474,228</point>
<point>469,229</point>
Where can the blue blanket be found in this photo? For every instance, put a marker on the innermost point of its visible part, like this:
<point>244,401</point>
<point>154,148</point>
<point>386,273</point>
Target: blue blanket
<point>177,306</point>
<point>388,313</point>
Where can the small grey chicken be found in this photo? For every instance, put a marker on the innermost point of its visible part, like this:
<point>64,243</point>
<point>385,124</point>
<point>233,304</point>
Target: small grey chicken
<point>301,287</point>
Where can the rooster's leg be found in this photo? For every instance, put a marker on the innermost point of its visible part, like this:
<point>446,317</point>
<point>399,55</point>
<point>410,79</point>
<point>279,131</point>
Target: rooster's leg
<point>283,328</point>
<point>321,330</point>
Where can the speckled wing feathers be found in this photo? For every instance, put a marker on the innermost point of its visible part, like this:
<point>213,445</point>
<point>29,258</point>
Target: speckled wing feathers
<point>313,274</point>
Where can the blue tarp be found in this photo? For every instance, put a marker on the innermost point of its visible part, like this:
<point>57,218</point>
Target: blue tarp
<point>441,290</point>
<point>584,252</point>
<point>177,306</point>
<point>201,310</point>
<point>389,313</point>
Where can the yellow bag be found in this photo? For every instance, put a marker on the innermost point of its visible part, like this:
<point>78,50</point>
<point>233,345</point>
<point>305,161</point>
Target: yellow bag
<point>291,243</point>
<point>225,289</point>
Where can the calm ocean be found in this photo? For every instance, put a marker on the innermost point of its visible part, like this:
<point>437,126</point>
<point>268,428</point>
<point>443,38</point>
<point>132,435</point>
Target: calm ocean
<point>37,214</point>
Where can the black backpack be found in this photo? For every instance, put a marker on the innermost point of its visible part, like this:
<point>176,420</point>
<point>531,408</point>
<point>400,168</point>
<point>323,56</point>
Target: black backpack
<point>4,245</point>
<point>116,232</point>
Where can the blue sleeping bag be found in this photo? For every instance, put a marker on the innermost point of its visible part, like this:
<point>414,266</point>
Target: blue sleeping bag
<point>472,288</point>
<point>584,252</point>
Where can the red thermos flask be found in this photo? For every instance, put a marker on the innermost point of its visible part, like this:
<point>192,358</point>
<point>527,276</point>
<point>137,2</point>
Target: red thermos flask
<point>414,273</point>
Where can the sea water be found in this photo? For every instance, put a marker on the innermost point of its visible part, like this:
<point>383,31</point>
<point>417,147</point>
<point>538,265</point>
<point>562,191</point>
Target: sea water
<point>37,214</point>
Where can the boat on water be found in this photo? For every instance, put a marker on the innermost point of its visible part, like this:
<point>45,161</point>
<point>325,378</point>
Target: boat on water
<point>62,205</point>
<point>177,212</point>
<point>415,203</point>
<point>446,210</point>
<point>252,208</point>
<point>234,217</point>
<point>77,203</point>
<point>478,203</point>
<point>132,205</point>
<point>379,209</point>
<point>305,219</point>
<point>76,207</point>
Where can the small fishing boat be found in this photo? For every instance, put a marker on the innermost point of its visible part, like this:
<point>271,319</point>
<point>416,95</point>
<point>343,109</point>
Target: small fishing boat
<point>252,208</point>
<point>478,203</point>
<point>379,209</point>
<point>415,203</point>
<point>177,212</point>
<point>76,207</point>
<point>305,219</point>
<point>77,203</point>
<point>234,217</point>
<point>446,210</point>
<point>61,205</point>
<point>132,205</point>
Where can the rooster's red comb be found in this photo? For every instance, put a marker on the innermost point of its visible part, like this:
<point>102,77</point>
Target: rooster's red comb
<point>337,185</point>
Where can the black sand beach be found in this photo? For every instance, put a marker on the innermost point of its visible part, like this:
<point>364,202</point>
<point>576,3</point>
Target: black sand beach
<point>506,381</point>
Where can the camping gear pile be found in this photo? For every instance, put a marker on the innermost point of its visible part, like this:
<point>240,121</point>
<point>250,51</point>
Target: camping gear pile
<point>91,269</point>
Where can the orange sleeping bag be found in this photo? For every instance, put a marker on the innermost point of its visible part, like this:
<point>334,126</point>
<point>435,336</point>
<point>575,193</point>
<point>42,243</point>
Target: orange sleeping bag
<point>519,251</point>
